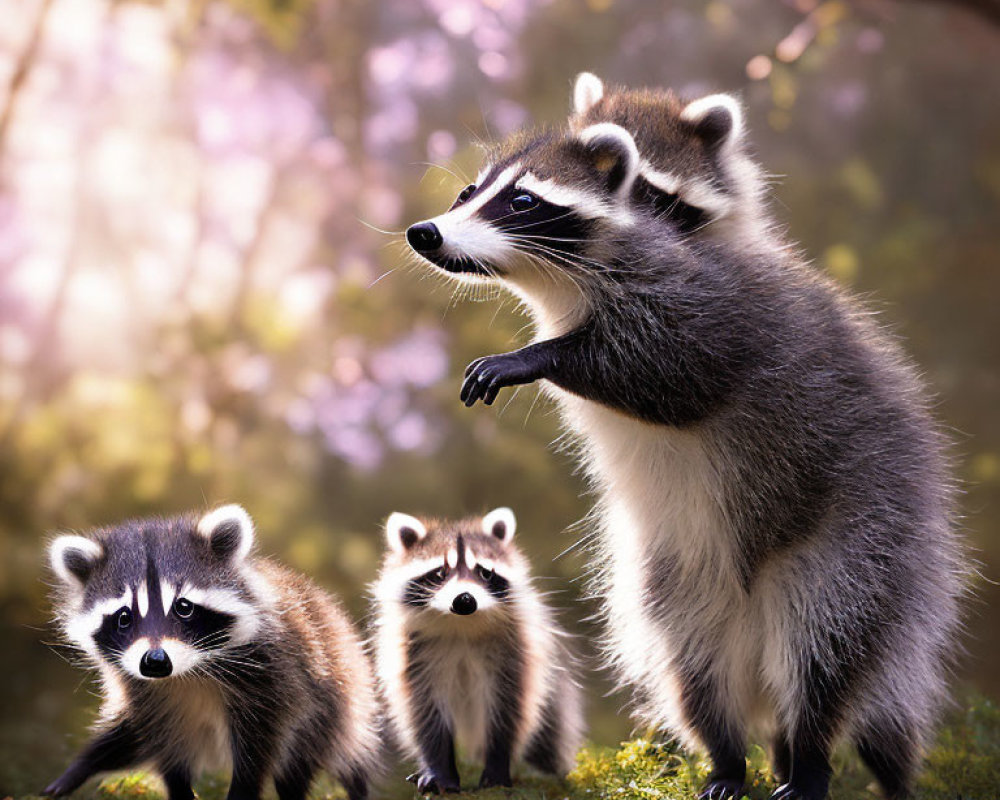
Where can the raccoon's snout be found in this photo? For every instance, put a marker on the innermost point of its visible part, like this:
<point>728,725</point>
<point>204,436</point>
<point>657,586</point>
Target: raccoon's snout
<point>464,604</point>
<point>156,664</point>
<point>424,237</point>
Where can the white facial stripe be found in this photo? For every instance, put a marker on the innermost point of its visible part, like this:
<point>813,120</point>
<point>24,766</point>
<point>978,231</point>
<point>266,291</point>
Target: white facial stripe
<point>699,195</point>
<point>664,181</point>
<point>223,601</point>
<point>452,558</point>
<point>473,238</point>
<point>443,598</point>
<point>586,204</point>
<point>167,591</point>
<point>468,209</point>
<point>81,628</point>
<point>130,658</point>
<point>182,656</point>
<point>142,599</point>
<point>483,173</point>
<point>470,558</point>
<point>415,569</point>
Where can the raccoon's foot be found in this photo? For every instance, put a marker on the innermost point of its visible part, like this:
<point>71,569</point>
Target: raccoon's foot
<point>788,791</point>
<point>486,376</point>
<point>495,777</point>
<point>429,782</point>
<point>721,789</point>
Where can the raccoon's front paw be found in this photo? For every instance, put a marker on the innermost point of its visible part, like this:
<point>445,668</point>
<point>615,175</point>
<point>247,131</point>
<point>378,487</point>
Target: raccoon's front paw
<point>495,778</point>
<point>721,790</point>
<point>429,782</point>
<point>486,376</point>
<point>62,785</point>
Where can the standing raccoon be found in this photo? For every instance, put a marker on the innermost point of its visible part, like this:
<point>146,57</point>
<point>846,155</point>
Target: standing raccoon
<point>466,647</point>
<point>775,527</point>
<point>209,655</point>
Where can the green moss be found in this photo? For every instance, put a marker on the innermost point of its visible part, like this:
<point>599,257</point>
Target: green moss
<point>964,765</point>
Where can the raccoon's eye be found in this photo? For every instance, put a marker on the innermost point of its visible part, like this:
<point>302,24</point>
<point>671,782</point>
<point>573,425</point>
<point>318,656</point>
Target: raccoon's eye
<point>465,194</point>
<point>441,573</point>
<point>183,608</point>
<point>524,201</point>
<point>124,619</point>
<point>485,574</point>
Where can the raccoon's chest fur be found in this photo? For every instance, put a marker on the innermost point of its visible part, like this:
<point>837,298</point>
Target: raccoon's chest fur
<point>192,724</point>
<point>671,580</point>
<point>465,683</point>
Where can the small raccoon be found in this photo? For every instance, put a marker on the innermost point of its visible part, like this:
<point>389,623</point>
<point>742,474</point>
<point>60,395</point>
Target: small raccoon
<point>210,656</point>
<point>775,543</point>
<point>465,647</point>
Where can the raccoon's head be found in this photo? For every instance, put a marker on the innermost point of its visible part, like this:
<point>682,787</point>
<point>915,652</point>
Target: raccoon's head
<point>545,211</point>
<point>693,167</point>
<point>464,570</point>
<point>158,597</point>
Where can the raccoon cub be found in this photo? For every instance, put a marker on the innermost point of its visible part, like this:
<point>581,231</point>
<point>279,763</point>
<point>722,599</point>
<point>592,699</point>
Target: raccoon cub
<point>466,647</point>
<point>209,655</point>
<point>775,539</point>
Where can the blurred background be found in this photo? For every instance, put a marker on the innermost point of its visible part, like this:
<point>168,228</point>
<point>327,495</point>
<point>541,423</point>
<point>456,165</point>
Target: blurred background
<point>202,297</point>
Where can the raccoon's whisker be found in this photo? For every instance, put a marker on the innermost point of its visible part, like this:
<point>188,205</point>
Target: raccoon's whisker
<point>378,229</point>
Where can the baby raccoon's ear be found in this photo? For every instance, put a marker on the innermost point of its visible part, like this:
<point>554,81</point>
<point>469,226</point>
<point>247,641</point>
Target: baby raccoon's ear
<point>613,154</point>
<point>587,92</point>
<point>403,531</point>
<point>500,523</point>
<point>717,120</point>
<point>229,531</point>
<point>73,558</point>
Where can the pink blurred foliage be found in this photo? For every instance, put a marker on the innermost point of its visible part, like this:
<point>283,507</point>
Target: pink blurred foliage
<point>162,172</point>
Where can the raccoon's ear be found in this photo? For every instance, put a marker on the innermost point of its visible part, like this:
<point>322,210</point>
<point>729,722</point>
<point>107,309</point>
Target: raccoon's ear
<point>501,524</point>
<point>717,120</point>
<point>613,154</point>
<point>229,531</point>
<point>403,531</point>
<point>73,558</point>
<point>587,92</point>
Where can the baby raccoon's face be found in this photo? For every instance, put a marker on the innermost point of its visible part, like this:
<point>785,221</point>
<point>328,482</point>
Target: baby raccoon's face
<point>453,570</point>
<point>160,597</point>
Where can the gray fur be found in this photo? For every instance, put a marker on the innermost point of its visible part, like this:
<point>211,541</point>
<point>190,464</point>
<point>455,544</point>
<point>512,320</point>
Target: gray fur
<point>775,533</point>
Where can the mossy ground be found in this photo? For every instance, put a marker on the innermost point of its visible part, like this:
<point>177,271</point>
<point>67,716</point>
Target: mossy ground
<point>964,765</point>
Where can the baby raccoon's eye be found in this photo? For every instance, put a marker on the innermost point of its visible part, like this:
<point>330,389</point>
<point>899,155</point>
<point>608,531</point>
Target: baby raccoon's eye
<point>465,194</point>
<point>484,573</point>
<point>441,573</point>
<point>524,201</point>
<point>124,619</point>
<point>183,607</point>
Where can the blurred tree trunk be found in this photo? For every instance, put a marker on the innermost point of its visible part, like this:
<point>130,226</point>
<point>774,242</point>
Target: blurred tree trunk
<point>20,76</point>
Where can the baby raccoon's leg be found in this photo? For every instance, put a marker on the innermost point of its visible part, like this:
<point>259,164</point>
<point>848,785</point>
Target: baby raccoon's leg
<point>356,783</point>
<point>438,771</point>
<point>177,778</point>
<point>115,748</point>
<point>293,779</point>
<point>254,743</point>
<point>706,708</point>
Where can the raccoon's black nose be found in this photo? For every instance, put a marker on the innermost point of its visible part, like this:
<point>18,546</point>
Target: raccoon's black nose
<point>156,664</point>
<point>464,604</point>
<point>424,237</point>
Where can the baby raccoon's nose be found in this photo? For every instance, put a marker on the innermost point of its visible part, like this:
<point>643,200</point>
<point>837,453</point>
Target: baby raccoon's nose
<point>156,664</point>
<point>464,604</point>
<point>424,237</point>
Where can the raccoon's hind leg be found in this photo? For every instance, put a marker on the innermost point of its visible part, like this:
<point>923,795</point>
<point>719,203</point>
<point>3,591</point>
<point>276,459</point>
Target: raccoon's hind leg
<point>890,751</point>
<point>293,780</point>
